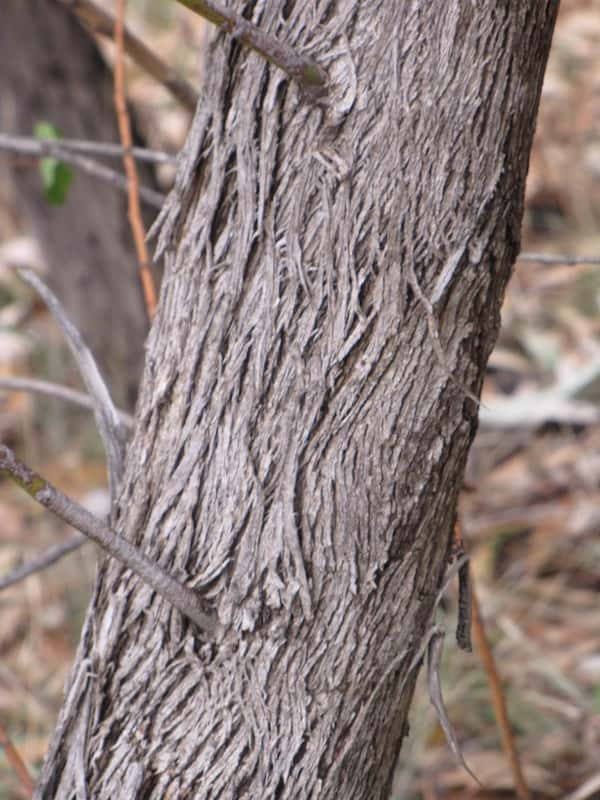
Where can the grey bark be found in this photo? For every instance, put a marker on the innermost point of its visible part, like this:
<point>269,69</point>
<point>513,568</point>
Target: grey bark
<point>299,446</point>
<point>50,69</point>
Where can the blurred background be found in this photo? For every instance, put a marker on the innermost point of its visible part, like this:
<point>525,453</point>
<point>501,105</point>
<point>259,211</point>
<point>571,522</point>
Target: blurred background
<point>530,510</point>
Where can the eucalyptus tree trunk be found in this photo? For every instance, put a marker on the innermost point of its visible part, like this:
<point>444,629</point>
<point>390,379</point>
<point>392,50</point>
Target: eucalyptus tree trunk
<point>332,293</point>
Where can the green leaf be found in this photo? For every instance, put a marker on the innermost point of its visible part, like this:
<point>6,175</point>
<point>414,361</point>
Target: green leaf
<point>56,176</point>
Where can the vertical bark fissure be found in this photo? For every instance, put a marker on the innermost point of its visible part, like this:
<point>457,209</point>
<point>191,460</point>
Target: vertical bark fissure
<point>298,443</point>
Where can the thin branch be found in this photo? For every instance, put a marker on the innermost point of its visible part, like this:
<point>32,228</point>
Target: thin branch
<point>489,665</point>
<point>16,762</point>
<point>59,392</point>
<point>134,212</point>
<point>101,22</point>
<point>434,660</point>
<point>56,148</point>
<point>304,70</point>
<point>179,596</point>
<point>39,149</point>
<point>566,260</point>
<point>43,561</point>
<point>477,630</point>
<point>105,413</point>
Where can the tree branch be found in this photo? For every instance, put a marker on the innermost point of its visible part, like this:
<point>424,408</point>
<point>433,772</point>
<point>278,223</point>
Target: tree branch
<point>46,559</point>
<point>566,260</point>
<point>59,392</point>
<point>107,419</point>
<point>134,211</point>
<point>179,596</point>
<point>39,149</point>
<point>434,659</point>
<point>98,21</point>
<point>14,759</point>
<point>56,148</point>
<point>305,71</point>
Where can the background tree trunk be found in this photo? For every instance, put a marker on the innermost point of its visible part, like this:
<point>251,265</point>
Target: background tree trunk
<point>300,446</point>
<point>50,69</point>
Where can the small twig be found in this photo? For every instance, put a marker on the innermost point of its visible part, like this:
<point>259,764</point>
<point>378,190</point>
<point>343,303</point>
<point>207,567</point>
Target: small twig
<point>134,212</point>
<point>105,413</point>
<point>101,22</point>
<point>305,71</point>
<point>179,596</point>
<point>59,392</point>
<point>16,762</point>
<point>434,659</point>
<point>489,665</point>
<point>39,149</point>
<point>56,148</point>
<point>487,660</point>
<point>41,562</point>
<point>566,260</point>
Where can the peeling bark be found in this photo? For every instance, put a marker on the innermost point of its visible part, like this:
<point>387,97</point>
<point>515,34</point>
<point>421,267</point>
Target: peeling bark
<point>299,446</point>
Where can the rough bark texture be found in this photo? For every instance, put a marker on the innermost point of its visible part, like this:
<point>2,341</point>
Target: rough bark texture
<point>50,69</point>
<point>299,445</point>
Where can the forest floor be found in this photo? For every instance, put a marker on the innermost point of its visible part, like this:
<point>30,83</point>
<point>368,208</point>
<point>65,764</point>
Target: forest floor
<point>529,512</point>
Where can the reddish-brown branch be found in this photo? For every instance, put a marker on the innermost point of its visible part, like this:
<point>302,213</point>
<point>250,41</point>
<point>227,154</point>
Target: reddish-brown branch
<point>101,22</point>
<point>499,703</point>
<point>134,211</point>
<point>15,761</point>
<point>489,665</point>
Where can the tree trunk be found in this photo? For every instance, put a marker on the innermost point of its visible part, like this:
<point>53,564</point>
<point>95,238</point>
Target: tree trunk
<point>50,69</point>
<point>333,286</point>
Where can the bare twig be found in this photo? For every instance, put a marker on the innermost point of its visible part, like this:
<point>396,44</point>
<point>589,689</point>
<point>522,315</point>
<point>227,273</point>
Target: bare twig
<point>101,22</point>
<point>56,148</point>
<point>305,71</point>
<point>46,559</point>
<point>179,596</point>
<point>489,665</point>
<point>59,392</point>
<point>134,212</point>
<point>39,149</point>
<point>106,415</point>
<point>434,658</point>
<point>566,260</point>
<point>15,760</point>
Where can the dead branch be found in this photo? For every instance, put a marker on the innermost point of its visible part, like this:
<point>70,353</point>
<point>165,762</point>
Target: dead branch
<point>105,413</point>
<point>59,392</point>
<point>39,149</point>
<point>99,21</point>
<point>43,561</point>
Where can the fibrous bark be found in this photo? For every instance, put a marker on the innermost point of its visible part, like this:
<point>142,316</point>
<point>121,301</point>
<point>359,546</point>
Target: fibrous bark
<point>300,442</point>
<point>51,70</point>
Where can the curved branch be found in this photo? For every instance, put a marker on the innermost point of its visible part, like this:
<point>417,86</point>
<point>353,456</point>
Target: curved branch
<point>105,413</point>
